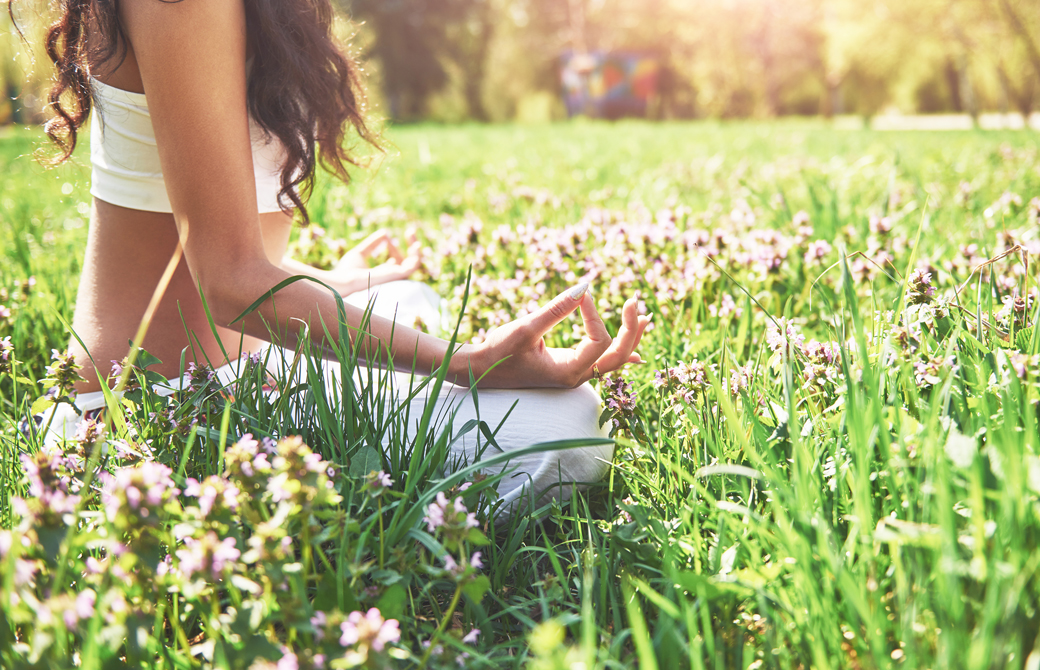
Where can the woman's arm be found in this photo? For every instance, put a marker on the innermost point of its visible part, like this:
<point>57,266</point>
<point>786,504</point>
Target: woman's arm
<point>191,57</point>
<point>352,273</point>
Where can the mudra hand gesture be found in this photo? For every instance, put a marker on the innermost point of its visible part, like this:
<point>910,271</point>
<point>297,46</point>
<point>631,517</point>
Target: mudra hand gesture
<point>515,355</point>
<point>352,273</point>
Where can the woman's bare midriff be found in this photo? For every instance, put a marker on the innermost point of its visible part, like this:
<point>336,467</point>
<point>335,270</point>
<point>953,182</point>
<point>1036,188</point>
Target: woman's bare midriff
<point>127,253</point>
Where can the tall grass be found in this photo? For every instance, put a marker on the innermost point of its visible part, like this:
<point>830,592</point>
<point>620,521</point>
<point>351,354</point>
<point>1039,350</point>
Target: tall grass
<point>869,501</point>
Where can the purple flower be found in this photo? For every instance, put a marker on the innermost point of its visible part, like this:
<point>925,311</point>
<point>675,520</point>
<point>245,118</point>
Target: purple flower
<point>85,604</point>
<point>880,225</point>
<point>319,621</point>
<point>376,483</point>
<point>435,512</point>
<point>90,431</point>
<point>782,336</point>
<point>138,491</point>
<point>210,490</point>
<point>621,400</point>
<point>451,516</point>
<point>471,637</point>
<point>46,470</point>
<point>62,374</point>
<point>817,251</point>
<point>369,630</point>
<point>209,557</point>
<point>24,572</point>
<point>919,289</point>
<point>1021,363</point>
<point>288,661</point>
<point>200,376</point>
<point>5,352</point>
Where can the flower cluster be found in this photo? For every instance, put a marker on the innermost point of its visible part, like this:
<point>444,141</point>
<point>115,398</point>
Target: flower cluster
<point>6,355</point>
<point>822,368</point>
<point>783,338</point>
<point>211,547</point>
<point>621,401</point>
<point>1017,310</point>
<point>209,556</point>
<point>449,517</point>
<point>135,497</point>
<point>688,381</point>
<point>52,489</point>
<point>930,370</point>
<point>300,477</point>
<point>62,375</point>
<point>217,496</point>
<point>376,483</point>
<point>919,289</point>
<point>363,633</point>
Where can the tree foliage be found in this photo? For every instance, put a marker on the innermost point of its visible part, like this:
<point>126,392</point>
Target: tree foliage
<point>490,59</point>
<point>729,58</point>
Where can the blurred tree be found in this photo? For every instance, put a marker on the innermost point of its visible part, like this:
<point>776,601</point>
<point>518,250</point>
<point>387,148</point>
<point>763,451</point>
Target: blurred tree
<point>414,38</point>
<point>1023,19</point>
<point>468,31</point>
<point>21,47</point>
<point>497,59</point>
<point>405,45</point>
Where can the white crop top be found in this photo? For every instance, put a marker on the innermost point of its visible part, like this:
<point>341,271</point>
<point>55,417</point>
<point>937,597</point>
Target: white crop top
<point>125,159</point>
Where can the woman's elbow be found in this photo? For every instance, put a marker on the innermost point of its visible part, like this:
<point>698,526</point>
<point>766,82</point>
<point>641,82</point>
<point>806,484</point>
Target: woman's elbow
<point>229,293</point>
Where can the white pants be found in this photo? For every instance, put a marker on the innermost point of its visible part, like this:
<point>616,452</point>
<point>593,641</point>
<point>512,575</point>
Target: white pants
<point>539,415</point>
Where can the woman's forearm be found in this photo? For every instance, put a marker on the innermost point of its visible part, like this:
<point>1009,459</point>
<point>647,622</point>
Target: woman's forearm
<point>344,288</point>
<point>306,308</point>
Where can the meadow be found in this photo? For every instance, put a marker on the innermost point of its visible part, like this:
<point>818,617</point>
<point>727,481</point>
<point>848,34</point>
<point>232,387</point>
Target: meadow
<point>831,459</point>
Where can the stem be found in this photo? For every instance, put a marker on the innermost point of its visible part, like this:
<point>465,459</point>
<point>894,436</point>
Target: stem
<point>440,628</point>
<point>381,539</point>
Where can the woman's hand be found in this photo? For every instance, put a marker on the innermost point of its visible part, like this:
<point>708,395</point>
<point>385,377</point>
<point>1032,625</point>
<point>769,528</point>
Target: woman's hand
<point>352,273</point>
<point>523,360</point>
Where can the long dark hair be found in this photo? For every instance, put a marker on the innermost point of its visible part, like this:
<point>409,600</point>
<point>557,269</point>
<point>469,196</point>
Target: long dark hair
<point>303,89</point>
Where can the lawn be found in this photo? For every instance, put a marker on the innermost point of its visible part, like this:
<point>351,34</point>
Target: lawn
<point>831,459</point>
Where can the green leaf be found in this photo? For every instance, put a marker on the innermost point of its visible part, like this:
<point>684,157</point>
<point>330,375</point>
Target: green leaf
<point>707,586</point>
<point>50,539</point>
<point>478,538</point>
<point>326,598</point>
<point>386,577</point>
<point>1024,339</point>
<point>476,588</point>
<point>42,404</point>
<point>255,647</point>
<point>365,461</point>
<point>144,359</point>
<point>391,603</point>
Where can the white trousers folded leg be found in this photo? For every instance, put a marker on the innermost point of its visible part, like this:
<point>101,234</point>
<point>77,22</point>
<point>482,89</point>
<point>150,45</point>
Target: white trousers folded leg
<point>539,415</point>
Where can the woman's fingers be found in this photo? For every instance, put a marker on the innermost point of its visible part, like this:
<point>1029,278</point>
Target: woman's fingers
<point>622,350</point>
<point>394,251</point>
<point>393,271</point>
<point>368,246</point>
<point>597,351</point>
<point>358,255</point>
<point>596,341</point>
<point>557,310</point>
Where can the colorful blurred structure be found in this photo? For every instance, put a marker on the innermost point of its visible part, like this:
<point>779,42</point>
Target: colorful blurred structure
<point>608,84</point>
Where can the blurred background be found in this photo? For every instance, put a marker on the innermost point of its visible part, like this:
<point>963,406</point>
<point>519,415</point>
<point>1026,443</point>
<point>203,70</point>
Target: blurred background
<point>975,61</point>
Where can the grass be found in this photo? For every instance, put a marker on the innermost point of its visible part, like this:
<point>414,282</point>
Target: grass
<point>830,461</point>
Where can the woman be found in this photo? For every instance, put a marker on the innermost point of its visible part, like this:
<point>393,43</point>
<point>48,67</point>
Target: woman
<point>213,118</point>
